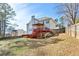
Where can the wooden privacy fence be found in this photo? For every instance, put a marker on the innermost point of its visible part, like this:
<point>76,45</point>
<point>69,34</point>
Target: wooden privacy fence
<point>72,30</point>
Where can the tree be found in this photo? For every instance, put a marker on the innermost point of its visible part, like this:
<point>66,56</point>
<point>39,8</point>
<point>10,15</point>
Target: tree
<point>6,13</point>
<point>70,10</point>
<point>62,21</point>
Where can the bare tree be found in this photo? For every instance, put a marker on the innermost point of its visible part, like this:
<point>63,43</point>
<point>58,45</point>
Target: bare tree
<point>70,10</point>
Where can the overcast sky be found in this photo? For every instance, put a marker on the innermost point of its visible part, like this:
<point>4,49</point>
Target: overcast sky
<point>24,11</point>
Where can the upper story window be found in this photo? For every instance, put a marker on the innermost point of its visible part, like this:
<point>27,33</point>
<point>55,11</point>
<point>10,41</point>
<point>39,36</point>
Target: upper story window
<point>47,21</point>
<point>57,25</point>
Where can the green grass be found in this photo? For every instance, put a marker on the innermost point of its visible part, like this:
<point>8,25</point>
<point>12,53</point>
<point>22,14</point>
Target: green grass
<point>19,50</point>
<point>11,44</point>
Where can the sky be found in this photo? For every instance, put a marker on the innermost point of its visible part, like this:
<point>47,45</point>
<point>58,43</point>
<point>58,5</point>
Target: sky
<point>24,11</point>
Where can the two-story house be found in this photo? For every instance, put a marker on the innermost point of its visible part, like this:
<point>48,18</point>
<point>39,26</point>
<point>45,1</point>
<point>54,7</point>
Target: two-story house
<point>48,22</point>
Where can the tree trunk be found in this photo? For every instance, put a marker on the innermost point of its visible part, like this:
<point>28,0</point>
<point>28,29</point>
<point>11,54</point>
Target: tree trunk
<point>4,28</point>
<point>75,27</point>
<point>75,31</point>
<point>0,28</point>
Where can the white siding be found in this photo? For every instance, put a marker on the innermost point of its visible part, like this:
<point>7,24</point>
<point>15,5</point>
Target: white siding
<point>30,27</point>
<point>52,24</point>
<point>48,23</point>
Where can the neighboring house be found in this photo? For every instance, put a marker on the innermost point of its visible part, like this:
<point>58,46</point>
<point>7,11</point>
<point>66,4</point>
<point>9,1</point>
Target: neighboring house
<point>14,33</point>
<point>20,32</point>
<point>48,22</point>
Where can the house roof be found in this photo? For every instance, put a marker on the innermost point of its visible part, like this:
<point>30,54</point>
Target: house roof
<point>47,18</point>
<point>43,18</point>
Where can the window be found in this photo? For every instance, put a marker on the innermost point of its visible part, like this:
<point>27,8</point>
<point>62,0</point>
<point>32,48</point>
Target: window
<point>57,25</point>
<point>47,21</point>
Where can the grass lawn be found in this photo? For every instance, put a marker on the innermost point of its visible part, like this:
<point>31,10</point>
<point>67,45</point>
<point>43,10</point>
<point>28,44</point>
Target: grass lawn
<point>61,45</point>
